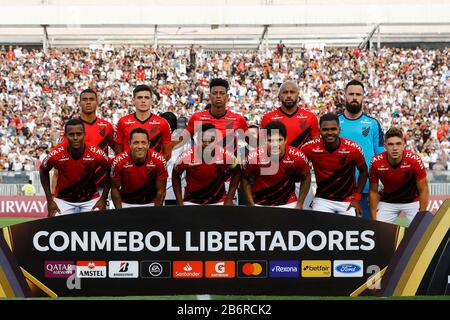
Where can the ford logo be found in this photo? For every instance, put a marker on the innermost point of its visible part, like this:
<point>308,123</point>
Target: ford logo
<point>348,268</point>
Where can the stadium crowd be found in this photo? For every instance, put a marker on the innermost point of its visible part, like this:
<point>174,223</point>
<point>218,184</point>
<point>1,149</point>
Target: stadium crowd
<point>39,91</point>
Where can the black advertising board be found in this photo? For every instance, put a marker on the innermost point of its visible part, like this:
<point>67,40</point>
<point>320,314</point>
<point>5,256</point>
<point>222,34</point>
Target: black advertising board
<point>201,250</point>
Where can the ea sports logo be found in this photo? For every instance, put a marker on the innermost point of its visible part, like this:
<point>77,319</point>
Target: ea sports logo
<point>155,269</point>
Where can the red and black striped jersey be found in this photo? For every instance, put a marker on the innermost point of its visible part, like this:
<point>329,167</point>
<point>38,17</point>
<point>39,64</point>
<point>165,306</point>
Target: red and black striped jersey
<point>400,181</point>
<point>274,181</point>
<point>301,127</point>
<point>158,130</point>
<point>227,125</point>
<point>76,177</point>
<point>205,179</point>
<point>335,170</point>
<point>138,181</point>
<point>99,133</point>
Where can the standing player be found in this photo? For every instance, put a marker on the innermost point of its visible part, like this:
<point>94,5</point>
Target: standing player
<point>334,160</point>
<point>99,132</point>
<point>301,124</point>
<point>207,167</point>
<point>139,175</point>
<point>158,129</point>
<point>404,179</point>
<point>362,129</point>
<point>289,164</point>
<point>77,162</point>
<point>226,122</point>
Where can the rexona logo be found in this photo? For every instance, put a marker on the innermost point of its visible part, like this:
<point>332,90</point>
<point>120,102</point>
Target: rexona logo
<point>188,269</point>
<point>284,269</point>
<point>155,269</point>
<point>123,269</point>
<point>220,269</point>
<point>59,269</point>
<point>348,268</point>
<point>316,268</point>
<point>252,269</point>
<point>91,269</point>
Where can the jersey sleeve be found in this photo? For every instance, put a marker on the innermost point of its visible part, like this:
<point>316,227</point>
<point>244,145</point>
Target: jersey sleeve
<point>166,134</point>
<point>315,133</point>
<point>161,173</point>
<point>118,134</point>
<point>190,126</point>
<point>419,170</point>
<point>49,162</point>
<point>181,163</point>
<point>243,124</point>
<point>264,121</point>
<point>104,161</point>
<point>378,138</point>
<point>358,156</point>
<point>302,164</point>
<point>373,173</point>
<point>110,134</point>
<point>116,172</point>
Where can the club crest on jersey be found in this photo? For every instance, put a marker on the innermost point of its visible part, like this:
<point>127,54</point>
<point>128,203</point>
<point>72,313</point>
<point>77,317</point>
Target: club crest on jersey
<point>342,159</point>
<point>102,132</point>
<point>365,131</point>
<point>153,131</point>
<point>303,125</point>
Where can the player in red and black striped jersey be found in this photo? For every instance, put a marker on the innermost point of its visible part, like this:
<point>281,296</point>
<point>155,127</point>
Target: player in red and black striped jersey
<point>275,170</point>
<point>334,160</point>
<point>77,162</point>
<point>138,176</point>
<point>99,132</point>
<point>227,123</point>
<point>207,166</point>
<point>301,124</point>
<point>404,179</point>
<point>158,129</point>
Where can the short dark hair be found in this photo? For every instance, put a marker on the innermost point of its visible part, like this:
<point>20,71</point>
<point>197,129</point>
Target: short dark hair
<point>253,126</point>
<point>141,87</point>
<point>217,82</point>
<point>330,116</point>
<point>354,82</point>
<point>73,122</point>
<point>139,130</point>
<point>88,90</point>
<point>393,132</point>
<point>276,125</point>
<point>171,119</point>
<point>207,126</point>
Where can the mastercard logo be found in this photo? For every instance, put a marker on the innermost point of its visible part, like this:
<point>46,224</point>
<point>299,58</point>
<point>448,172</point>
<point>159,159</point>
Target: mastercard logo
<point>252,269</point>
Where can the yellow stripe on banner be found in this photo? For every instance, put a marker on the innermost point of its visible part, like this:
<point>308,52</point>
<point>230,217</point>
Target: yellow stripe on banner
<point>39,284</point>
<point>370,282</point>
<point>7,236</point>
<point>400,235</point>
<point>424,252</point>
<point>6,291</point>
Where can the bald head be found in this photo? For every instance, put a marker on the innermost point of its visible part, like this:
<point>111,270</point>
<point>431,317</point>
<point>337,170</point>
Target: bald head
<point>289,83</point>
<point>289,93</point>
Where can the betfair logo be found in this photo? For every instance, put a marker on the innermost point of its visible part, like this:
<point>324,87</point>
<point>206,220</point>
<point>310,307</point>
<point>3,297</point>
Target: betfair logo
<point>316,268</point>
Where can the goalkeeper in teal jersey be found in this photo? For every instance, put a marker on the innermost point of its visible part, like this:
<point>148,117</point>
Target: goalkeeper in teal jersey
<point>362,129</point>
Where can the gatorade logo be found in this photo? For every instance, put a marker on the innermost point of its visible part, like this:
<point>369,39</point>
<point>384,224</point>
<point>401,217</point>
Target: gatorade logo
<point>252,269</point>
<point>220,269</point>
